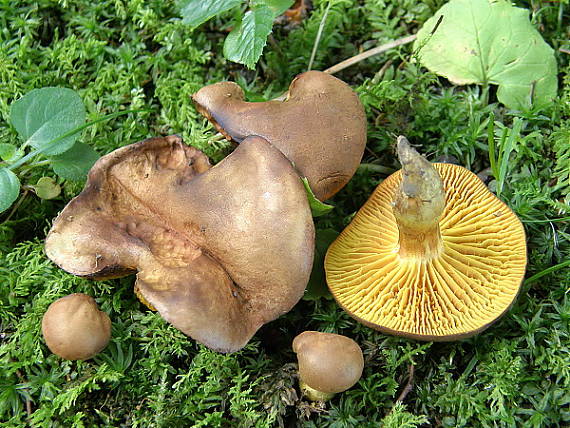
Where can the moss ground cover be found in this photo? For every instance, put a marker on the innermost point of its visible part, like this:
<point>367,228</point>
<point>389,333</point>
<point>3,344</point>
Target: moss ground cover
<point>127,55</point>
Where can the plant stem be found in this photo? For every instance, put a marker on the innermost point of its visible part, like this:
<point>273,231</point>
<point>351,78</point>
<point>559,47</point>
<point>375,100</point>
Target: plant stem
<point>547,271</point>
<point>371,52</point>
<point>36,152</point>
<point>376,168</point>
<point>319,34</point>
<point>16,206</point>
<point>552,220</point>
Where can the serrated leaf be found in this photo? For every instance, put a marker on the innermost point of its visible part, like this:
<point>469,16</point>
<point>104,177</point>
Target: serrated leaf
<point>318,208</point>
<point>47,188</point>
<point>317,287</point>
<point>246,41</point>
<point>75,163</point>
<point>9,188</point>
<point>46,114</point>
<point>483,42</point>
<point>196,12</point>
<point>276,6</point>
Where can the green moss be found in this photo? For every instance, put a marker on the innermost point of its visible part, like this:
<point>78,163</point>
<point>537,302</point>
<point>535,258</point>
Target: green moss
<point>124,55</point>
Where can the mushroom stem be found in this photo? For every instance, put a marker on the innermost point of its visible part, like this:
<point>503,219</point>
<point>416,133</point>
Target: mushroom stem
<point>418,205</point>
<point>314,394</point>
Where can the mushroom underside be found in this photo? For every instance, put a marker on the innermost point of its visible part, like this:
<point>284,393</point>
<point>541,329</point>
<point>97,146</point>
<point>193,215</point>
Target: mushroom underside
<point>458,293</point>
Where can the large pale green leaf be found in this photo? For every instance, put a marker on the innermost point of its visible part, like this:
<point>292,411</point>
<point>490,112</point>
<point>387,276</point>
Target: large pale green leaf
<point>246,41</point>
<point>75,163</point>
<point>9,188</point>
<point>483,41</point>
<point>44,115</point>
<point>196,12</point>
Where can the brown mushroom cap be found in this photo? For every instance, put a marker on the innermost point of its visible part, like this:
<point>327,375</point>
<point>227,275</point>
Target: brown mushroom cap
<point>74,328</point>
<point>328,363</point>
<point>320,127</point>
<point>437,283</point>
<point>219,251</point>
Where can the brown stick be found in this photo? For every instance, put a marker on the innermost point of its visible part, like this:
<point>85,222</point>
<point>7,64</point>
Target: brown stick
<point>409,386</point>
<point>371,52</point>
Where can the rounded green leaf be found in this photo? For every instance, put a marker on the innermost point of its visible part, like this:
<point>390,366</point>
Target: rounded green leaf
<point>75,163</point>
<point>9,188</point>
<point>483,42</point>
<point>9,152</point>
<point>44,115</point>
<point>47,188</point>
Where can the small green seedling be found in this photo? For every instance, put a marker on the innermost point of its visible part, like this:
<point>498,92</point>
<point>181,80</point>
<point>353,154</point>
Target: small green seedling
<point>248,37</point>
<point>48,121</point>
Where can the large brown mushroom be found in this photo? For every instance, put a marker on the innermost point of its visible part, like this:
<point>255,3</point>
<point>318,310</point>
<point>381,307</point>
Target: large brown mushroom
<point>74,328</point>
<point>432,255</point>
<point>320,126</point>
<point>218,251</point>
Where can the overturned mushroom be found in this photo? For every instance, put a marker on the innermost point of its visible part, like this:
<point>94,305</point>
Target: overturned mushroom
<point>320,126</point>
<point>74,328</point>
<point>432,255</point>
<point>328,363</point>
<point>218,251</point>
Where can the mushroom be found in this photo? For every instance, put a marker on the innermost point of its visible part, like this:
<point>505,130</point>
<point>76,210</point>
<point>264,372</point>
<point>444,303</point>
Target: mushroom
<point>320,126</point>
<point>74,328</point>
<point>328,363</point>
<point>218,251</point>
<point>432,255</point>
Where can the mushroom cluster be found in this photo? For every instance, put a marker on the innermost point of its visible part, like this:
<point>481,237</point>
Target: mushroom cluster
<point>218,251</point>
<point>432,255</point>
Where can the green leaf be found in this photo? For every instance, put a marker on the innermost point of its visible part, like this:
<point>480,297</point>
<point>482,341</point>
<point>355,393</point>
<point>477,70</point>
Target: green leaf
<point>9,188</point>
<point>276,6</point>
<point>75,163</point>
<point>43,115</point>
<point>9,152</point>
<point>196,12</point>
<point>246,41</point>
<point>317,286</point>
<point>47,188</point>
<point>484,42</point>
<point>318,208</point>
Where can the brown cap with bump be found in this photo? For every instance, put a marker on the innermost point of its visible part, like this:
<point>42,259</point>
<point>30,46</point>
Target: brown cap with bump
<point>432,255</point>
<point>328,363</point>
<point>320,126</point>
<point>218,251</point>
<point>74,328</point>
